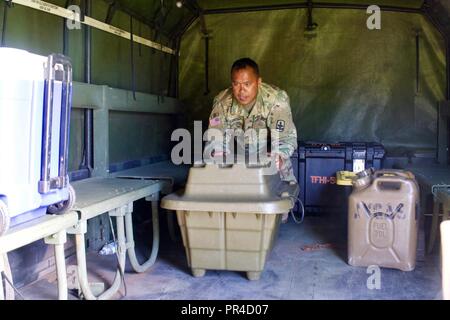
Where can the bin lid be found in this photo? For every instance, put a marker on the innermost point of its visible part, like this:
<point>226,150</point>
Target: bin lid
<point>236,188</point>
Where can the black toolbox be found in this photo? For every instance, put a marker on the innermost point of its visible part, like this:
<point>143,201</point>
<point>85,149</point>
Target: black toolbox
<point>318,163</point>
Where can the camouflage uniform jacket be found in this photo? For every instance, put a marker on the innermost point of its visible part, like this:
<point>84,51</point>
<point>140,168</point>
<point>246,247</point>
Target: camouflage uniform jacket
<point>271,111</point>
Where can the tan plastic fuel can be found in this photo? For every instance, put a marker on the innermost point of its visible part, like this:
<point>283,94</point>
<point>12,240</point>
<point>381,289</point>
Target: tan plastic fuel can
<point>383,220</point>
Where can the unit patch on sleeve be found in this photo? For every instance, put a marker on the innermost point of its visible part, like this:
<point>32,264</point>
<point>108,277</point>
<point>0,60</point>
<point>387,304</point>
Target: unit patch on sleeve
<point>280,125</point>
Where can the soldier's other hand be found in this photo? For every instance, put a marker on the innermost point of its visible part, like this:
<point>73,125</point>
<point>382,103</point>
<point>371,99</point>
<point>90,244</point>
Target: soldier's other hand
<point>278,162</point>
<point>219,153</point>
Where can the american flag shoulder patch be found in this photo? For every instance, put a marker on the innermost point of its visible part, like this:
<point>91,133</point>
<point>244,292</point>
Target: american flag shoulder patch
<point>214,121</point>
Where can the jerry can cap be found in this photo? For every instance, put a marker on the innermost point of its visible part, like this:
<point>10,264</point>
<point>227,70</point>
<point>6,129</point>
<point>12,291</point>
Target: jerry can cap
<point>363,178</point>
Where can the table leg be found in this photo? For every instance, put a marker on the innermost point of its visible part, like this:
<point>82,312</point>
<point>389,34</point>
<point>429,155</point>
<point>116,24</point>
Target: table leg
<point>58,240</point>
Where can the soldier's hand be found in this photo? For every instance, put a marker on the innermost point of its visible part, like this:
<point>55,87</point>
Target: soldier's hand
<point>219,153</point>
<point>278,162</point>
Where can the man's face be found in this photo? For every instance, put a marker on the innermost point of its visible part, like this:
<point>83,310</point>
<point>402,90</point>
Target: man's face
<point>245,84</point>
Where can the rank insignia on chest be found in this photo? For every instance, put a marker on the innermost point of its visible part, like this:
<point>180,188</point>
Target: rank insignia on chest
<point>280,125</point>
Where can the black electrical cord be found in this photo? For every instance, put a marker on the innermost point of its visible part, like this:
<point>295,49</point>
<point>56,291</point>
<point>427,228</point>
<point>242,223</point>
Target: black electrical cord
<point>297,200</point>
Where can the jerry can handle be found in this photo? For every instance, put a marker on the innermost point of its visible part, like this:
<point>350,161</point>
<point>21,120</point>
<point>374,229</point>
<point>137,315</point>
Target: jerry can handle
<point>401,181</point>
<point>393,172</point>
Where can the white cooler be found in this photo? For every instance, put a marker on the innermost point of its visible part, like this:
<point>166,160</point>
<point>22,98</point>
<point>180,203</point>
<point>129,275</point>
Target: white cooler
<point>35,104</point>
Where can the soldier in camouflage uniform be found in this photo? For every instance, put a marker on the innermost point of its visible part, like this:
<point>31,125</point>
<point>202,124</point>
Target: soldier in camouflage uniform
<point>252,104</point>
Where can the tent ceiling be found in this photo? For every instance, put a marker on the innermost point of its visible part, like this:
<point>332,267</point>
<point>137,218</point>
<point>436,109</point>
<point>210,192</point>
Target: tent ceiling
<point>215,4</point>
<point>165,16</point>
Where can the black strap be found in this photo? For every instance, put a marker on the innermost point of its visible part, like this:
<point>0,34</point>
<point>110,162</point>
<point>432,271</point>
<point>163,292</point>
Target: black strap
<point>206,64</point>
<point>133,84</point>
<point>160,86</point>
<point>111,11</point>
<point>139,44</point>
<point>172,69</point>
<point>417,62</point>
<point>158,89</point>
<point>83,10</point>
<point>161,75</point>
<point>65,35</point>
<point>7,4</point>
<point>311,24</point>
<point>206,37</point>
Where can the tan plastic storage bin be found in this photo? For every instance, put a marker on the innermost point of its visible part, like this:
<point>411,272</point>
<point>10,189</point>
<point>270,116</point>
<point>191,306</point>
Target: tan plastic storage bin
<point>229,217</point>
<point>383,220</point>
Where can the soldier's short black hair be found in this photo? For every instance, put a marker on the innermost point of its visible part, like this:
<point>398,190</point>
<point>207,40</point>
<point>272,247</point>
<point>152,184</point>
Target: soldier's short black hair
<point>244,63</point>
